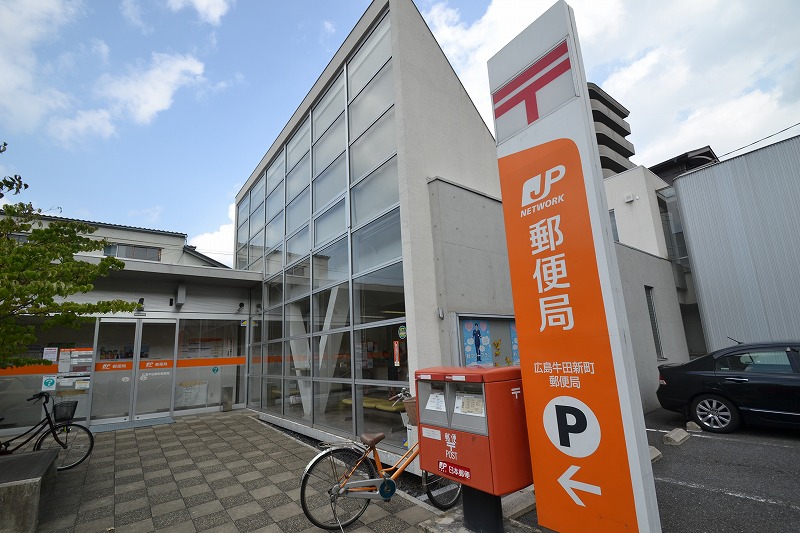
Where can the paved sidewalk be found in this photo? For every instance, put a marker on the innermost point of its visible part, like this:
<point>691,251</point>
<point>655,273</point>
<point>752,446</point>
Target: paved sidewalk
<point>218,472</point>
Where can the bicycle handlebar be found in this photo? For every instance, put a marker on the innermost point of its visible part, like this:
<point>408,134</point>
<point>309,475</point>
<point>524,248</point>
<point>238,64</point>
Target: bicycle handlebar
<point>39,395</point>
<point>404,394</point>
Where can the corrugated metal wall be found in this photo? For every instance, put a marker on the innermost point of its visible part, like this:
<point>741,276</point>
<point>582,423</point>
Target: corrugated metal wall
<point>742,227</point>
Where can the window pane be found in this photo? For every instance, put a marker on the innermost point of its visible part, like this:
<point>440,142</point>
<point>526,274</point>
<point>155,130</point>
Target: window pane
<point>373,101</point>
<point>329,184</point>
<point>257,193</point>
<point>297,399</point>
<point>376,193</point>
<point>330,224</point>
<point>298,212</point>
<point>374,354</point>
<point>274,291</point>
<point>333,406</point>
<point>241,239</point>
<point>273,357</point>
<point>330,264</point>
<point>332,355</point>
<point>257,246</point>
<point>299,145</point>
<point>241,258</point>
<point>257,265</point>
<point>376,145</point>
<point>298,246</point>
<point>275,202</point>
<point>274,231</point>
<point>370,57</point>
<point>298,179</point>
<point>332,308</point>
<point>273,322</point>
<point>379,295</point>
<point>254,366</point>
<point>297,318</point>
<point>257,219</point>
<point>330,107</point>
<point>275,173</point>
<point>244,209</point>
<point>377,242</point>
<point>298,280</point>
<point>330,146</point>
<point>273,263</point>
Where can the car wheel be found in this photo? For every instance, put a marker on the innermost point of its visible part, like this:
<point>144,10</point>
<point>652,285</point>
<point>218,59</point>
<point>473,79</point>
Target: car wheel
<point>715,413</point>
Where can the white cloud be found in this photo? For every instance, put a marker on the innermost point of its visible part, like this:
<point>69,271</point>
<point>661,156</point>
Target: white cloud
<point>142,94</point>
<point>101,50</point>
<point>24,100</point>
<point>210,11</point>
<point>67,131</point>
<point>218,244</point>
<point>132,12</point>
<point>328,27</point>
<point>691,73</point>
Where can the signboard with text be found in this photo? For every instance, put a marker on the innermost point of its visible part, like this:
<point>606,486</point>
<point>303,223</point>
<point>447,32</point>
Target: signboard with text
<point>589,453</point>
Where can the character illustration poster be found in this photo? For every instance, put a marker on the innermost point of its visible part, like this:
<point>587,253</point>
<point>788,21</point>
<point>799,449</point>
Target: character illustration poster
<point>477,343</point>
<point>514,344</point>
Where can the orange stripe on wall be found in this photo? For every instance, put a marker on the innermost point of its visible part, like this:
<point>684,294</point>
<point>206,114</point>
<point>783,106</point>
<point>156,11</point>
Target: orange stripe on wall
<point>31,370</point>
<point>212,361</point>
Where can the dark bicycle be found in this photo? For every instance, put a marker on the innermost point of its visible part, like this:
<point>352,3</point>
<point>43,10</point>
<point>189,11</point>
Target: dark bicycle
<point>55,432</point>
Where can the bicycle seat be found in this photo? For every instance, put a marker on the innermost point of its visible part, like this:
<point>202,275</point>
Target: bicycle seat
<point>371,439</point>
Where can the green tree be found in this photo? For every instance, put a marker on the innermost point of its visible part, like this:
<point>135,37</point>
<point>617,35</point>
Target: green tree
<point>39,271</point>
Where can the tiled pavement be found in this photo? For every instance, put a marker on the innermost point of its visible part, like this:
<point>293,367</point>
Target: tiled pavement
<point>218,472</point>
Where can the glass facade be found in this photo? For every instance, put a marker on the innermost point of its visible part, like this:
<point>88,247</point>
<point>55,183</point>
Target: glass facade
<point>333,340</point>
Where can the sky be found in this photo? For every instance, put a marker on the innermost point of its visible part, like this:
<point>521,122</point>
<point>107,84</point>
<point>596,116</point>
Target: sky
<point>153,113</point>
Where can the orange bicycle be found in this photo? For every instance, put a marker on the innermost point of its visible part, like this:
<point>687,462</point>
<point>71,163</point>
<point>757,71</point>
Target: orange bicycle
<point>339,483</point>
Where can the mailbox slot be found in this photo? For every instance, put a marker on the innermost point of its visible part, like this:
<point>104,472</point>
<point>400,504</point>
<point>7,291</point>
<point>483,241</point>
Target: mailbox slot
<point>432,402</point>
<point>468,407</point>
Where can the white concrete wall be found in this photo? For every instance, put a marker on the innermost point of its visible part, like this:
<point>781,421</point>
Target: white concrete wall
<point>638,221</point>
<point>638,269</point>
<point>440,133</point>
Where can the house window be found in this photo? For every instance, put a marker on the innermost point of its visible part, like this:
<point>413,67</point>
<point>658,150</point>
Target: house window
<point>651,308</point>
<point>614,232</point>
<point>129,251</point>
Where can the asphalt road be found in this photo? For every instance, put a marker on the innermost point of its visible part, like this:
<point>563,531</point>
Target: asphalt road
<point>748,481</point>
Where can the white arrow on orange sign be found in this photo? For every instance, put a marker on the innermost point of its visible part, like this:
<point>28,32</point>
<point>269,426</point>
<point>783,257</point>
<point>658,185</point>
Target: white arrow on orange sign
<point>570,485</point>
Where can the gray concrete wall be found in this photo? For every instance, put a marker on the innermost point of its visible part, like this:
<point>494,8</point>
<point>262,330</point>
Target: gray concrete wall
<point>638,269</point>
<point>471,257</point>
<point>440,133</point>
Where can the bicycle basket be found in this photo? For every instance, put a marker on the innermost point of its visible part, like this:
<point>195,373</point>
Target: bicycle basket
<point>64,411</point>
<point>411,410</point>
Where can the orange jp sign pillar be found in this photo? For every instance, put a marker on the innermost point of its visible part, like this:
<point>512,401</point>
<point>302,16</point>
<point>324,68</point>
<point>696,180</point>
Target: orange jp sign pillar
<point>589,453</point>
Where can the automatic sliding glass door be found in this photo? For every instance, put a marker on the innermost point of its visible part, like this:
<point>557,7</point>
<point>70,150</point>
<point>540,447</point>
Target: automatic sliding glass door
<point>133,369</point>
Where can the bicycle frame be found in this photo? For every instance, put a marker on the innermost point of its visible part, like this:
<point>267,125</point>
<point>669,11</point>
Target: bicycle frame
<point>370,489</point>
<point>35,431</point>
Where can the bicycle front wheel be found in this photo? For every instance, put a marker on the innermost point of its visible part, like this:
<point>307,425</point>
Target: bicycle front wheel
<point>442,492</point>
<point>78,440</point>
<point>321,502</point>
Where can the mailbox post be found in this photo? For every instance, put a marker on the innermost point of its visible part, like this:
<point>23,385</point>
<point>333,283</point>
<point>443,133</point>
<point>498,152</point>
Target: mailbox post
<point>472,429</point>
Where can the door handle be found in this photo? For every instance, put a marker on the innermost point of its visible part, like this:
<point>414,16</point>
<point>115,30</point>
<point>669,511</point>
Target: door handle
<point>737,380</point>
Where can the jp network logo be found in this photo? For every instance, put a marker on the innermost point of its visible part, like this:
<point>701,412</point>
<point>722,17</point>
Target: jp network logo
<point>537,188</point>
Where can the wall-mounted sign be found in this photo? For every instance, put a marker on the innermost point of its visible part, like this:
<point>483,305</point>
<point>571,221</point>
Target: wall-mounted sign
<point>401,332</point>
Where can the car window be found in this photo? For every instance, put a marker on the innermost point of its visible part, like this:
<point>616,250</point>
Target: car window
<point>771,361</point>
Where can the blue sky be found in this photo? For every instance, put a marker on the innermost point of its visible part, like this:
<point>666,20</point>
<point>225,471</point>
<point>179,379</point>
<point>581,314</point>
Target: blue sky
<point>153,113</point>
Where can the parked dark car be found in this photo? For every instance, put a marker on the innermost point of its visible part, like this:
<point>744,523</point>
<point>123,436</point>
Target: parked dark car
<point>756,383</point>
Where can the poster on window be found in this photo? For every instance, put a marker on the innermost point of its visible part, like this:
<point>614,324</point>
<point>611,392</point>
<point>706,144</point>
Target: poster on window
<point>514,344</point>
<point>477,343</point>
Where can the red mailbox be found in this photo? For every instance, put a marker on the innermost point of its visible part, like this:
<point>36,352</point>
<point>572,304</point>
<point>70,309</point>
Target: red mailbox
<point>472,427</point>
